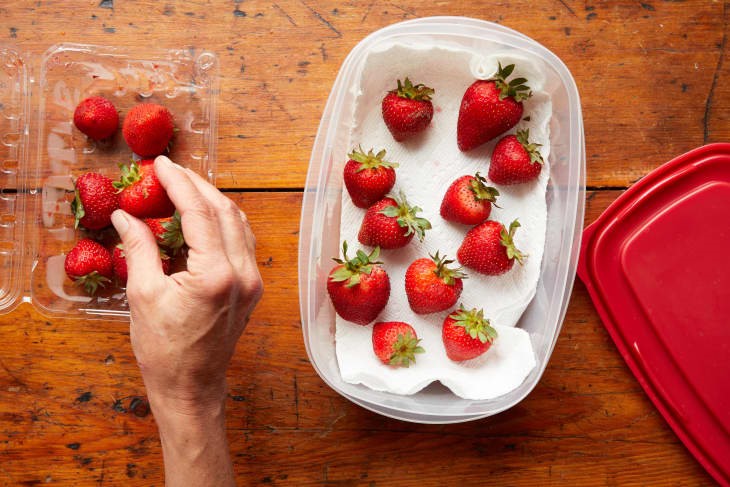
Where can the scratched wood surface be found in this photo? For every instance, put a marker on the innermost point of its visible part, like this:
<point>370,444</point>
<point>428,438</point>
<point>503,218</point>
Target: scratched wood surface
<point>654,80</point>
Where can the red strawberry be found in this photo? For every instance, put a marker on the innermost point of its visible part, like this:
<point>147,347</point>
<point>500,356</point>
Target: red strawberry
<point>468,200</point>
<point>489,108</point>
<point>148,129</point>
<point>89,264</point>
<point>432,286</point>
<point>391,224</point>
<point>515,160</point>
<point>368,177</point>
<point>407,110</point>
<point>96,117</point>
<point>359,287</point>
<point>95,201</point>
<point>140,192</point>
<point>467,334</point>
<point>119,264</point>
<point>167,231</point>
<point>396,343</point>
<point>488,248</point>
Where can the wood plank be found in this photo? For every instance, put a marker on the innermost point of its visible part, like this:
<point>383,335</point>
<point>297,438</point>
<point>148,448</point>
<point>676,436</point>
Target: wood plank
<point>651,74</point>
<point>586,422</point>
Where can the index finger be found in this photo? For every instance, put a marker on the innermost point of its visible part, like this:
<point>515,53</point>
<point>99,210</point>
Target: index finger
<point>199,222</point>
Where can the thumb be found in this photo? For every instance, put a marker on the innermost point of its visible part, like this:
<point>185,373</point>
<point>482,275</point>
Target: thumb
<point>140,248</point>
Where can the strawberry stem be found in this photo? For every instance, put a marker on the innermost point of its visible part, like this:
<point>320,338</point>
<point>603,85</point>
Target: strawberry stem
<point>130,175</point>
<point>408,90</point>
<point>91,282</point>
<point>507,239</point>
<point>370,160</point>
<point>406,217</point>
<point>405,349</point>
<point>523,137</point>
<point>516,88</point>
<point>444,272</point>
<point>77,207</point>
<point>482,191</point>
<point>475,324</point>
<point>353,268</point>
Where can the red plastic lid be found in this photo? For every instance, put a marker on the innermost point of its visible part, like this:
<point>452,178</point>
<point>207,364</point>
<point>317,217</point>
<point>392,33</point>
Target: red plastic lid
<point>657,266</point>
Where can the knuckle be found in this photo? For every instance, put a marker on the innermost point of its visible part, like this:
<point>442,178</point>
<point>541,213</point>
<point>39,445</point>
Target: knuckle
<point>253,287</point>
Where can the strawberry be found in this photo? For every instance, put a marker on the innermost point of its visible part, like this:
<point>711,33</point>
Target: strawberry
<point>167,231</point>
<point>359,287</point>
<point>94,201</point>
<point>488,248</point>
<point>391,223</point>
<point>431,285</point>
<point>396,343</point>
<point>89,264</point>
<point>368,177</point>
<point>140,192</point>
<point>407,110</point>
<point>119,264</point>
<point>148,129</point>
<point>489,108</point>
<point>515,160</point>
<point>468,200</point>
<point>96,117</point>
<point>467,334</point>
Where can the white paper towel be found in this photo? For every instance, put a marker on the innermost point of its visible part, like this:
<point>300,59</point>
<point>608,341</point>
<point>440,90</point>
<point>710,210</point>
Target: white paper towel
<point>429,163</point>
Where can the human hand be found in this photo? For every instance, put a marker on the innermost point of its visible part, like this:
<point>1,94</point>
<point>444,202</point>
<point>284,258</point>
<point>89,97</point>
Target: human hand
<point>184,327</point>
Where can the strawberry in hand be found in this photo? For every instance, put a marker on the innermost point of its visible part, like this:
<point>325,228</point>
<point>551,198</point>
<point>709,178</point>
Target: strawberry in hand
<point>396,343</point>
<point>407,110</point>
<point>359,287</point>
<point>89,265</point>
<point>515,159</point>
<point>432,286</point>
<point>94,201</point>
<point>96,118</point>
<point>368,177</point>
<point>391,223</point>
<point>489,248</point>
<point>490,108</point>
<point>468,200</point>
<point>167,231</point>
<point>140,192</point>
<point>467,334</point>
<point>147,129</point>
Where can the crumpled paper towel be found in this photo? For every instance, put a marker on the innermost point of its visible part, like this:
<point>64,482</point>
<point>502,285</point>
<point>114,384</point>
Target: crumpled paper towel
<point>429,163</point>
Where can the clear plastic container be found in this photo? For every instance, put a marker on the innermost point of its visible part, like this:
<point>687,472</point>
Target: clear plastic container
<point>41,152</point>
<point>320,219</point>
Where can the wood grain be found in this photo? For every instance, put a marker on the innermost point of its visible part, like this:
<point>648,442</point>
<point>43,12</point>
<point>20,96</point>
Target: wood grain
<point>65,383</point>
<point>652,74</point>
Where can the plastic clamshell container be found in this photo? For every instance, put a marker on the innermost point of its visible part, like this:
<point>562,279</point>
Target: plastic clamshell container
<point>320,219</point>
<point>42,152</point>
<point>653,265</point>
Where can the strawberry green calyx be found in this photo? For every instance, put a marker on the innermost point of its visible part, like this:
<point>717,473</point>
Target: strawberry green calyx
<point>507,239</point>
<point>77,207</point>
<point>516,88</point>
<point>475,324</point>
<point>405,349</point>
<point>173,237</point>
<point>410,91</point>
<point>523,137</point>
<point>406,217</point>
<point>352,269</point>
<point>482,191</point>
<point>130,175</point>
<point>370,160</point>
<point>91,282</point>
<point>446,273</point>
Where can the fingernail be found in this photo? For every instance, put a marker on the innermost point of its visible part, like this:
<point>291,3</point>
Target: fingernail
<point>166,161</point>
<point>120,221</point>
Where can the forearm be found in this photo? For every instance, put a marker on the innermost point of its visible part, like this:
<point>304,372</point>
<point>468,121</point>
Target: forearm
<point>194,444</point>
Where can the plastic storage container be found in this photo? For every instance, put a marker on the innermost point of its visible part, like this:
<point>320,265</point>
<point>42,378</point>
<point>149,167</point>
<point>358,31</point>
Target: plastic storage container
<point>41,151</point>
<point>320,220</point>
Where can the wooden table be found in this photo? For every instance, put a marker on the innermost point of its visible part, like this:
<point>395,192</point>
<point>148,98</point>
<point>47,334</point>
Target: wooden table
<point>655,82</point>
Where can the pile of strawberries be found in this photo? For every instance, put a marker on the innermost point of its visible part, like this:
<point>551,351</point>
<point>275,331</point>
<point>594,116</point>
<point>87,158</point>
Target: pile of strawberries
<point>359,287</point>
<point>98,259</point>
